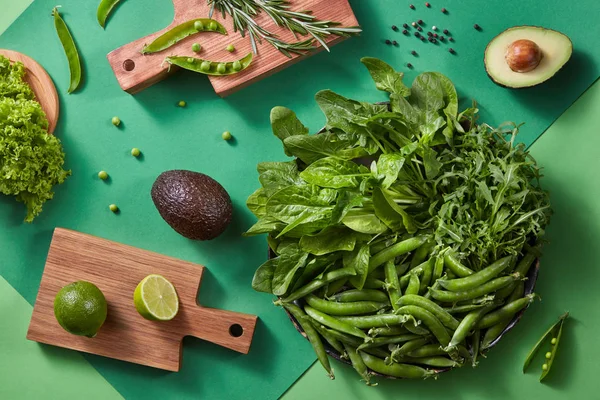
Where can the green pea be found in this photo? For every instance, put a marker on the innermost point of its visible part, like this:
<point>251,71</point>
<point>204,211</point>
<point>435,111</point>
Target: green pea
<point>548,355</point>
<point>205,66</point>
<point>199,26</point>
<point>135,152</point>
<point>113,208</point>
<point>236,66</point>
<point>212,26</point>
<point>191,60</point>
<point>103,175</point>
<point>553,341</point>
<point>230,48</point>
<point>182,103</point>
<point>116,121</point>
<point>545,367</point>
<point>196,48</point>
<point>226,135</point>
<point>221,68</point>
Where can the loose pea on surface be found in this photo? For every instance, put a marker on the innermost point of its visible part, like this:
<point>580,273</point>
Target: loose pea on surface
<point>182,103</point>
<point>230,48</point>
<point>116,121</point>
<point>196,48</point>
<point>226,135</point>
<point>135,152</point>
<point>103,175</point>
<point>113,208</point>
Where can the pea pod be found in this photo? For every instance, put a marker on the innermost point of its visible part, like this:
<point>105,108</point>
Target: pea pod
<point>475,344</point>
<point>468,323</point>
<point>335,287</point>
<point>406,348</point>
<point>393,283</point>
<point>374,283</point>
<point>554,331</point>
<point>375,321</point>
<point>438,268</point>
<point>329,338</point>
<point>388,331</point>
<point>431,322</point>
<point>413,285</point>
<point>444,317</point>
<point>70,50</point>
<point>335,323</point>
<point>355,342</point>
<point>360,295</point>
<point>104,9</point>
<point>396,250</point>
<point>387,340</point>
<point>312,336</point>
<point>398,370</point>
<point>350,308</point>
<point>486,288</point>
<point>478,278</point>
<point>211,67</point>
<point>429,350</point>
<point>427,274</point>
<point>432,361</point>
<point>493,332</point>
<point>505,313</point>
<point>318,283</point>
<point>455,266</point>
<point>465,308</point>
<point>181,31</point>
<point>358,364</point>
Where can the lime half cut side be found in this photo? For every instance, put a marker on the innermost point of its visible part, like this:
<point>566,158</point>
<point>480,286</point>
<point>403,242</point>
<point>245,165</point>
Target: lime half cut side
<point>155,298</point>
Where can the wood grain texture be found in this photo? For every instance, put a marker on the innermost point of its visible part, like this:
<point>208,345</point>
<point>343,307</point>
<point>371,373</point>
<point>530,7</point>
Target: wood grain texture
<point>117,269</point>
<point>41,84</point>
<point>149,69</point>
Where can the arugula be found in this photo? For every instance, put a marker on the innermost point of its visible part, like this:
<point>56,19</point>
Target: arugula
<point>380,173</point>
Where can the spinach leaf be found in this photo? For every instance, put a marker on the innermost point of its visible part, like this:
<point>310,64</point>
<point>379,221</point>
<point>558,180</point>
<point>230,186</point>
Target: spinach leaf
<point>431,163</point>
<point>359,261</point>
<point>345,202</point>
<point>332,173</point>
<point>389,165</point>
<point>316,267</point>
<point>385,77</point>
<point>311,148</point>
<point>256,203</point>
<point>290,260</point>
<point>364,222</point>
<point>345,114</point>
<point>265,224</point>
<point>263,277</point>
<point>387,211</point>
<point>284,124</point>
<point>278,175</point>
<point>329,240</point>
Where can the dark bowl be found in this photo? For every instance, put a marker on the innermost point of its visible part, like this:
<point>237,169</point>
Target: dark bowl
<point>532,276</point>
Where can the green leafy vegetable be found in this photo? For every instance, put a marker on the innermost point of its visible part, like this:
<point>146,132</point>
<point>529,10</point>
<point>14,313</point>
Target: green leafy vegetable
<point>31,160</point>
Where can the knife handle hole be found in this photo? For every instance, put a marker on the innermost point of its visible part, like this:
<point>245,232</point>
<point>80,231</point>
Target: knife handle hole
<point>236,330</point>
<point>128,65</point>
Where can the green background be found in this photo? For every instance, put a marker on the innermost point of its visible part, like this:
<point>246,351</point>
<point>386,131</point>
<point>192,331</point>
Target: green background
<point>189,138</point>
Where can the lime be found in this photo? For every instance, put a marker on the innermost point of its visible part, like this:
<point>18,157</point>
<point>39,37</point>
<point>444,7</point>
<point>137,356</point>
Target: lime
<point>155,298</point>
<point>80,308</point>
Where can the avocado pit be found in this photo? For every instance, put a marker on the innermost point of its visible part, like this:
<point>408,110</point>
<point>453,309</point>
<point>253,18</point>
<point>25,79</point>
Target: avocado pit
<point>523,55</point>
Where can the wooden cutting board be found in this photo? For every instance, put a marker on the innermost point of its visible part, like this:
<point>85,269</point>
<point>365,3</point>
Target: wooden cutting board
<point>117,269</point>
<point>136,72</point>
<point>41,84</point>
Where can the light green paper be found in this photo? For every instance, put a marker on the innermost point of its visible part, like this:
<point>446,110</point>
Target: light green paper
<point>570,154</point>
<point>29,370</point>
<point>10,11</point>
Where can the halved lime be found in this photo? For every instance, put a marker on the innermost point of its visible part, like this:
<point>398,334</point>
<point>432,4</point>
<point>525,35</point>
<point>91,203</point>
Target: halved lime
<point>155,298</point>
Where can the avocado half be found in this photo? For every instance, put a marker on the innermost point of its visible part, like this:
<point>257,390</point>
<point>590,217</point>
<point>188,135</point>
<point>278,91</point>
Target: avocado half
<point>553,50</point>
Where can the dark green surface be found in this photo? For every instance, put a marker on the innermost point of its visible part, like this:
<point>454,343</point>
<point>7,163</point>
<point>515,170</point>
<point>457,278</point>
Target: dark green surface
<point>172,137</point>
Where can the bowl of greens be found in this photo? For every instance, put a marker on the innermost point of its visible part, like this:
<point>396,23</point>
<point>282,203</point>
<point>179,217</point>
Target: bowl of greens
<point>404,236</point>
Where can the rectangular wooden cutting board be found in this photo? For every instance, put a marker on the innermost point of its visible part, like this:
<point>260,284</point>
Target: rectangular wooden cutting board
<point>135,71</point>
<point>117,269</point>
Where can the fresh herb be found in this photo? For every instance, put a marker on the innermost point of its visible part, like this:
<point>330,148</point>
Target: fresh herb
<point>245,12</point>
<point>31,160</point>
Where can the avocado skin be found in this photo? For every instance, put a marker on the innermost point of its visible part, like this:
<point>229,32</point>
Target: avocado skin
<point>193,204</point>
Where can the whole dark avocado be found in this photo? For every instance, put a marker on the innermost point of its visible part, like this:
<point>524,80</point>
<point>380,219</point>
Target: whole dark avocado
<point>193,204</point>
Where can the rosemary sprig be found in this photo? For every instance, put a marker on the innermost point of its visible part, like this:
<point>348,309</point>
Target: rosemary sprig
<point>301,23</point>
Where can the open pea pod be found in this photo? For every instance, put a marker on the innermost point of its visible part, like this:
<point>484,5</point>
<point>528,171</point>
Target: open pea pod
<point>211,67</point>
<point>554,347</point>
<point>549,333</point>
<point>181,31</point>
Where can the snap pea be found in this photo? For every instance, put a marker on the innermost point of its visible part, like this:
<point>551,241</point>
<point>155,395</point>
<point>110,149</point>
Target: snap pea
<point>427,273</point>
<point>70,50</point>
<point>358,364</point>
<point>210,67</point>
<point>355,342</point>
<point>375,321</point>
<point>467,324</point>
<point>335,286</point>
<point>360,295</point>
<point>475,344</point>
<point>486,288</point>
<point>413,284</point>
<point>329,338</point>
<point>434,361</point>
<point>455,266</point>
<point>388,331</point>
<point>374,283</point>
<point>406,348</point>
<point>522,268</point>
<point>428,350</point>
<point>506,312</point>
<point>348,308</point>
<point>395,369</point>
<point>335,323</point>
<point>555,331</point>
<point>465,308</point>
<point>431,322</point>
<point>438,268</point>
<point>421,254</point>
<point>493,332</point>
<point>318,283</point>
<point>444,317</point>
<point>104,9</point>
<point>396,250</point>
<point>405,280</point>
<point>312,336</point>
<point>386,340</point>
<point>181,31</point>
<point>393,283</point>
<point>417,329</point>
<point>478,278</point>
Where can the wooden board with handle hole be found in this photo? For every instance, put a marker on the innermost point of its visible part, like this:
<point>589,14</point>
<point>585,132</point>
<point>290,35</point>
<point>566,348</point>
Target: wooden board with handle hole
<point>136,71</point>
<point>41,84</point>
<point>117,269</point>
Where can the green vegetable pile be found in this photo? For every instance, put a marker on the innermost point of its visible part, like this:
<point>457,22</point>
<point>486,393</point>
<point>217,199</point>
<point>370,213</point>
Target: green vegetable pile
<point>31,160</point>
<point>402,234</point>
